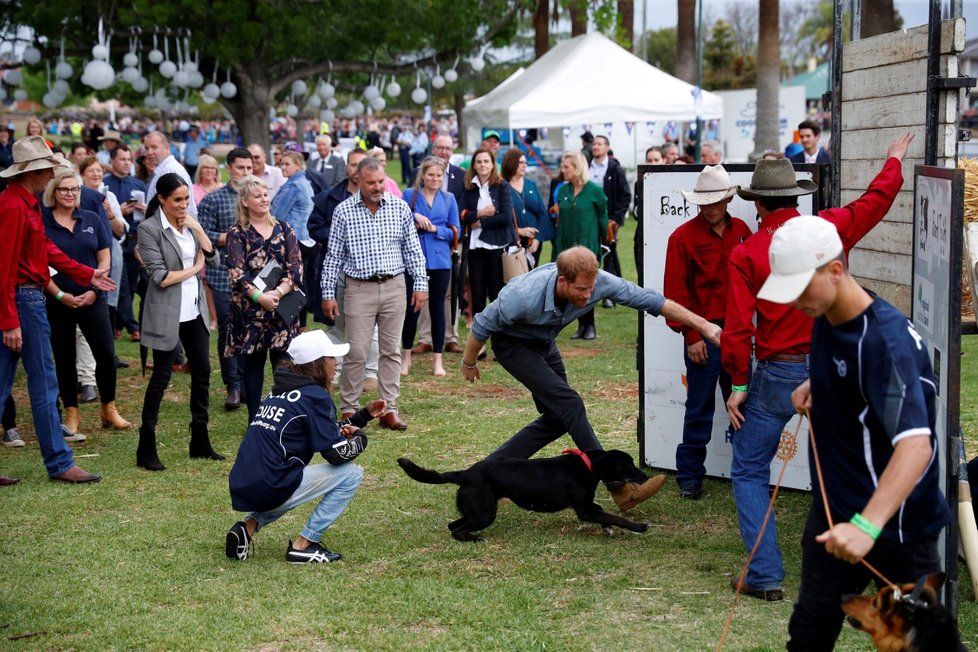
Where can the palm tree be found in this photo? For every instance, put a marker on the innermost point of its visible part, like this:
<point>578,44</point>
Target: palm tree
<point>686,41</point>
<point>768,78</point>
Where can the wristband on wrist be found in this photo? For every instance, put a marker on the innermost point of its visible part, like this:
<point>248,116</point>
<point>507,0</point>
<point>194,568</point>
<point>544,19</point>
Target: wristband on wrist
<point>865,525</point>
<point>738,388</point>
<point>255,295</point>
<point>60,295</point>
<point>470,366</point>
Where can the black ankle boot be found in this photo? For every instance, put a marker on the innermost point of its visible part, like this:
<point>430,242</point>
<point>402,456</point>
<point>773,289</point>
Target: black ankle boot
<point>146,456</point>
<point>200,443</point>
<point>580,332</point>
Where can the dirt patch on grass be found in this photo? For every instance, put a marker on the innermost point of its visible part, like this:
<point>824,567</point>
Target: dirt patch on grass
<point>615,391</point>
<point>580,352</point>
<point>477,390</point>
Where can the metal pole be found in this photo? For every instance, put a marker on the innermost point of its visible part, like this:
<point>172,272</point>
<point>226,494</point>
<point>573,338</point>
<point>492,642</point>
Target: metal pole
<point>933,93</point>
<point>699,78</point>
<point>836,100</point>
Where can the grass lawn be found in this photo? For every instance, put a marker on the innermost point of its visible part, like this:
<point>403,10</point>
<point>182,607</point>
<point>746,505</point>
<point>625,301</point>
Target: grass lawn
<point>137,561</point>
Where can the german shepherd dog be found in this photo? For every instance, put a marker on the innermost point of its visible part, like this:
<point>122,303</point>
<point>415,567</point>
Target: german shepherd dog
<point>911,619</point>
<point>541,485</point>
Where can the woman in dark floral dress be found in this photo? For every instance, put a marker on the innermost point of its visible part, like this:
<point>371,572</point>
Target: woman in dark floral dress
<point>257,331</point>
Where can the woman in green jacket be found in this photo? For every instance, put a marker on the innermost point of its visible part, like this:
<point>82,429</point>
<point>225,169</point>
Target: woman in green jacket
<point>582,219</point>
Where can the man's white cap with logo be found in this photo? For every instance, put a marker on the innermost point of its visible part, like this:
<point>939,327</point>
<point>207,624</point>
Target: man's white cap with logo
<point>798,248</point>
<point>313,345</point>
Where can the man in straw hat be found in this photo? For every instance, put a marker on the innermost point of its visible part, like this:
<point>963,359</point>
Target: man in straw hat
<point>696,278</point>
<point>25,254</point>
<point>870,375</point>
<point>760,403</point>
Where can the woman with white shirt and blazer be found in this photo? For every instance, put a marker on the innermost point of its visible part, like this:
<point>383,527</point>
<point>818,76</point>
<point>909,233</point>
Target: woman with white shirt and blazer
<point>173,248</point>
<point>487,213</point>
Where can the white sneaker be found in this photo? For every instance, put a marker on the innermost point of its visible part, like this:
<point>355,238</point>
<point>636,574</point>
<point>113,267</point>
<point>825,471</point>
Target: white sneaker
<point>72,436</point>
<point>11,439</point>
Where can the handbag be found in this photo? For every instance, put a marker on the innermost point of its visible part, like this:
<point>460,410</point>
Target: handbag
<point>514,264</point>
<point>514,258</point>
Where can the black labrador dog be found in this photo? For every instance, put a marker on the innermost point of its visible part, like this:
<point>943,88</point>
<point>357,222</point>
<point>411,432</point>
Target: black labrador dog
<point>540,485</point>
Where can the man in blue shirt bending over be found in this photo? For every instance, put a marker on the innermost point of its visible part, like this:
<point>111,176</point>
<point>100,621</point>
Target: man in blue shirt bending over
<point>871,393</point>
<point>524,322</point>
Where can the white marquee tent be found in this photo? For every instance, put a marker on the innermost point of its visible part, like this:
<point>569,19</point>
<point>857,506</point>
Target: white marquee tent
<point>588,79</point>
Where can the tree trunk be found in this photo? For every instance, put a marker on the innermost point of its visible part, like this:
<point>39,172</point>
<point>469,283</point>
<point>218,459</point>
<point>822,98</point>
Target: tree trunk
<point>250,105</point>
<point>578,16</point>
<point>768,79</point>
<point>541,29</point>
<point>626,24</point>
<point>459,97</point>
<point>686,41</point>
<point>878,17</point>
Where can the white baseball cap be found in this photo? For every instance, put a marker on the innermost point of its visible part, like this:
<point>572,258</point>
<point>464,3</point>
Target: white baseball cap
<point>313,345</point>
<point>798,248</point>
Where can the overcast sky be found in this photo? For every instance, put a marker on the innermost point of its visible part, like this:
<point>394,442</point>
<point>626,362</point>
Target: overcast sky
<point>662,13</point>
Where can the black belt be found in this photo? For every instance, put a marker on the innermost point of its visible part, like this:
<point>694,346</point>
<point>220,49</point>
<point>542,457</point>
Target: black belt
<point>379,278</point>
<point>30,286</point>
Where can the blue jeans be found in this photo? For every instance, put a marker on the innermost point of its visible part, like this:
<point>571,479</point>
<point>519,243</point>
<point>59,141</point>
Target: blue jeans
<point>701,391</point>
<point>336,485</point>
<point>766,411</point>
<point>42,381</point>
<point>231,368</point>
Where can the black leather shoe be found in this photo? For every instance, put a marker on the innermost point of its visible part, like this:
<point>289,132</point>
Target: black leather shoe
<point>607,303</point>
<point>233,401</point>
<point>589,333</point>
<point>768,595</point>
<point>120,363</point>
<point>691,491</point>
<point>580,333</point>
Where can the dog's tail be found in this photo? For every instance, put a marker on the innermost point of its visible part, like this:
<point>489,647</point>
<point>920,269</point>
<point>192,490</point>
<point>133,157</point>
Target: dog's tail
<point>426,476</point>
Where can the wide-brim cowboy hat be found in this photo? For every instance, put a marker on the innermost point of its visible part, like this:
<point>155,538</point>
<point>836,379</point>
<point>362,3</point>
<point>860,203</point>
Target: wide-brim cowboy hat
<point>712,185</point>
<point>30,154</point>
<point>776,179</point>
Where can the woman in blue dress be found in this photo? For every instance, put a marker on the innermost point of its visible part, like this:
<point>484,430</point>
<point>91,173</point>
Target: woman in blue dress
<point>436,217</point>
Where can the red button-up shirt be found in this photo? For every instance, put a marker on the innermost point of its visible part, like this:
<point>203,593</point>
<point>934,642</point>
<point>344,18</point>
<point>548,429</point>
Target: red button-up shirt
<point>26,252</point>
<point>780,328</point>
<point>697,258</point>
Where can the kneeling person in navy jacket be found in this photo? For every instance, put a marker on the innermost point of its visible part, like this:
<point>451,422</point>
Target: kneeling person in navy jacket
<point>272,473</point>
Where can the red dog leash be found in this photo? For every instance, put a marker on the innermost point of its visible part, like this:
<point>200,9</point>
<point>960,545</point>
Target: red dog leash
<point>581,454</point>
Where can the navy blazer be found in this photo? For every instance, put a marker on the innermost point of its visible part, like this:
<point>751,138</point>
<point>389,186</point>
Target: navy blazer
<point>498,229</point>
<point>821,157</point>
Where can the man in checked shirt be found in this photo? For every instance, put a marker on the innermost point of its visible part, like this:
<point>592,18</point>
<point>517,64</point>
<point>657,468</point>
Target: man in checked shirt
<point>374,241</point>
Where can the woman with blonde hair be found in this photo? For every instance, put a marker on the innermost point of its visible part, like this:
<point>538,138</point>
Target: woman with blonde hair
<point>256,330</point>
<point>582,219</point>
<point>436,218</point>
<point>207,178</point>
<point>85,238</point>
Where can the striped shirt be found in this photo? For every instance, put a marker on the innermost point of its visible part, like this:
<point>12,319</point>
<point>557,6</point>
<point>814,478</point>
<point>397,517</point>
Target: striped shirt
<point>363,244</point>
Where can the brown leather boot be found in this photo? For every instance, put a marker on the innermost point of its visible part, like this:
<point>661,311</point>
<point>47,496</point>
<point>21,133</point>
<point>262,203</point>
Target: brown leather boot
<point>630,494</point>
<point>72,419</point>
<point>111,417</point>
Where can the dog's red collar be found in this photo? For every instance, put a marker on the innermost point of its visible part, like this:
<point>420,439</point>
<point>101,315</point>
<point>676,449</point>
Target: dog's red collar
<point>581,454</point>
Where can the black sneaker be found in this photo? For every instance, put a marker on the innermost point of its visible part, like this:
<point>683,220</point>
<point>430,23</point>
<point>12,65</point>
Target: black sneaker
<point>314,554</point>
<point>237,544</point>
<point>691,491</point>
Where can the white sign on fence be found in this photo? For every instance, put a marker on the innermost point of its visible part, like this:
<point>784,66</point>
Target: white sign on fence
<point>663,376</point>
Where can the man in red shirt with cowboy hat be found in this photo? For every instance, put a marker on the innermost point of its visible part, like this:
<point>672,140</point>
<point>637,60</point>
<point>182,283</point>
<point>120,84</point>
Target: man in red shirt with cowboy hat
<point>25,254</point>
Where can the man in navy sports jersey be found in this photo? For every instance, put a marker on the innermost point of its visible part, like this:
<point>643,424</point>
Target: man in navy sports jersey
<point>871,393</point>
